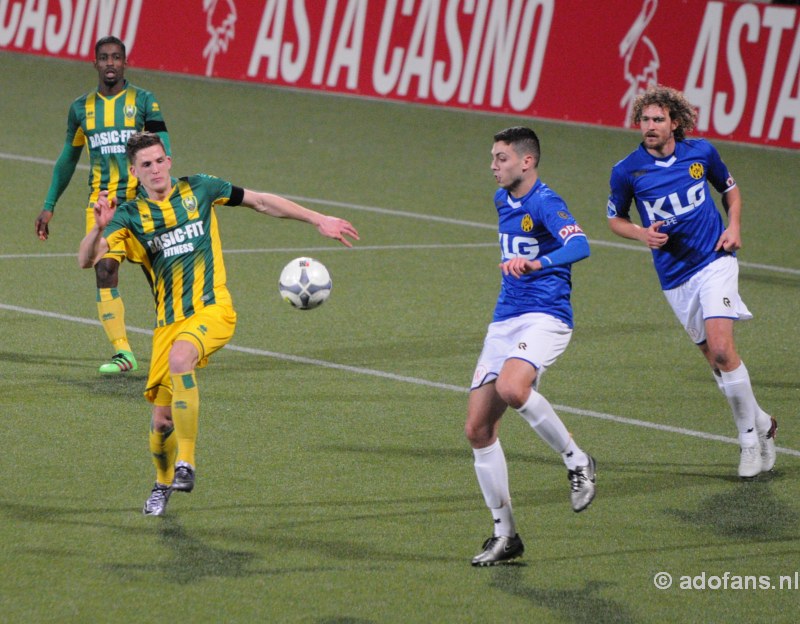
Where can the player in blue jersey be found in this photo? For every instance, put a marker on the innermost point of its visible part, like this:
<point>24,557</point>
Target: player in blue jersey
<point>531,327</point>
<point>668,178</point>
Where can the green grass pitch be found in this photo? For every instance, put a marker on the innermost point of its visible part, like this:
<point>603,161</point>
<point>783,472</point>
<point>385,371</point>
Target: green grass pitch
<point>334,482</point>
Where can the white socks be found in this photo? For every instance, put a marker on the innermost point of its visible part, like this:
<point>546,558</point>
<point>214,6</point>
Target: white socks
<point>492,472</point>
<point>544,420</point>
<point>763,420</point>
<point>738,391</point>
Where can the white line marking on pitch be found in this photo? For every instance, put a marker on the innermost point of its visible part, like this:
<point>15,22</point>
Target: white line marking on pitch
<point>397,213</point>
<point>298,359</point>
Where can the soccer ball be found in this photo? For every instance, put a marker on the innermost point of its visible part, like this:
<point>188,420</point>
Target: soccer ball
<point>305,283</point>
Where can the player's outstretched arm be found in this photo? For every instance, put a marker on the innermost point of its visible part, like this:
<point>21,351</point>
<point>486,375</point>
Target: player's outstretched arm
<point>94,246</point>
<point>282,208</point>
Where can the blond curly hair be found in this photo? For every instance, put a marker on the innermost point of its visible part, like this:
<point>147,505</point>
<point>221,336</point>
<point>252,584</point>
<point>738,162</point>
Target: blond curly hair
<point>672,101</point>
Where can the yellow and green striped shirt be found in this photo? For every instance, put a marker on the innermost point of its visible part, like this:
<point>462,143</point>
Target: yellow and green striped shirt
<point>103,125</point>
<point>178,243</point>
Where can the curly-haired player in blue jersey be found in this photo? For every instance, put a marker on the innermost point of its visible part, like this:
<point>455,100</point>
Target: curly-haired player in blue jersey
<point>531,327</point>
<point>101,121</point>
<point>694,254</point>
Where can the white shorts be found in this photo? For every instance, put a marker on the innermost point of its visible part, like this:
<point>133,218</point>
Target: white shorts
<point>711,293</point>
<point>534,337</point>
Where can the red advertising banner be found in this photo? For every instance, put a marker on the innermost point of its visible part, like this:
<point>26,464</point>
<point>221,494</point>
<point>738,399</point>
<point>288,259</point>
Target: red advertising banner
<point>738,62</point>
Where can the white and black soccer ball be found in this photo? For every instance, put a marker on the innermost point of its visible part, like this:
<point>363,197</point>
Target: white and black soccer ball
<point>305,283</point>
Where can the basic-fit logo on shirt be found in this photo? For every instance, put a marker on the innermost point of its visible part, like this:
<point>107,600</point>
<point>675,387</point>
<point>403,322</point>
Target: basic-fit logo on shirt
<point>110,141</point>
<point>177,241</point>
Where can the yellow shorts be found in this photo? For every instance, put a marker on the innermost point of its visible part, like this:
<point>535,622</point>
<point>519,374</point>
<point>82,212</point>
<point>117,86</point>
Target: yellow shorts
<point>208,330</point>
<point>121,250</point>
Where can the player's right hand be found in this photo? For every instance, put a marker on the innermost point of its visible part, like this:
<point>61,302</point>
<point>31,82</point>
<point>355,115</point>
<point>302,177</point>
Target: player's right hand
<point>42,230</point>
<point>656,239</point>
<point>104,209</point>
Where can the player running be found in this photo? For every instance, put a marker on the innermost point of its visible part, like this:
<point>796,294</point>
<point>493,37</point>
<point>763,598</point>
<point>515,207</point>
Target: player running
<point>694,254</point>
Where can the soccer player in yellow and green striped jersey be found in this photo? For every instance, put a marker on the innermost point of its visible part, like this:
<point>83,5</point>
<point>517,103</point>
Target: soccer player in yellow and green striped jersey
<point>172,228</point>
<point>102,121</point>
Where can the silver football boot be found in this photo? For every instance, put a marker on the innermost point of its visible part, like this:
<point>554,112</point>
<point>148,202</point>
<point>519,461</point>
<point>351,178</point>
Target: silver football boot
<point>582,481</point>
<point>499,549</point>
<point>156,503</point>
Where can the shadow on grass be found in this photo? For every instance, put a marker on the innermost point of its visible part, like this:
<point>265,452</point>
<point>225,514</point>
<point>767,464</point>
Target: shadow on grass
<point>190,560</point>
<point>54,359</point>
<point>747,510</point>
<point>127,388</point>
<point>573,605</point>
<point>463,453</point>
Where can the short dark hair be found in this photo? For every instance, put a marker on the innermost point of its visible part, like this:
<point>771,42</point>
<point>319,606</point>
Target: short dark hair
<point>140,141</point>
<point>106,40</point>
<point>672,101</point>
<point>522,139</point>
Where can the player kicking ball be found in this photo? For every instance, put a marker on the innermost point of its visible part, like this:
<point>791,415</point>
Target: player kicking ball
<point>172,223</point>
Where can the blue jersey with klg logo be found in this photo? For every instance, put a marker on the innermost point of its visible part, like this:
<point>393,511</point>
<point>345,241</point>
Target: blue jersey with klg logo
<point>532,227</point>
<point>675,190</point>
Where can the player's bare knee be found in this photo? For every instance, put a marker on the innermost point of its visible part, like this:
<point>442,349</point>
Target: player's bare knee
<point>726,362</point>
<point>162,418</point>
<point>107,273</point>
<point>724,357</point>
<point>514,394</point>
<point>479,435</point>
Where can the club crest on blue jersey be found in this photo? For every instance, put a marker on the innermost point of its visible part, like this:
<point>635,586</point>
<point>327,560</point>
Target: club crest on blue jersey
<point>527,223</point>
<point>696,170</point>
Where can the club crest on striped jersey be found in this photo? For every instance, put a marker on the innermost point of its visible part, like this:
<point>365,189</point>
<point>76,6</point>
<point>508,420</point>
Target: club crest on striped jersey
<point>190,204</point>
<point>130,111</point>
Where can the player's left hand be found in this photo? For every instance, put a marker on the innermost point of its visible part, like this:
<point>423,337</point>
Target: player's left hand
<point>517,267</point>
<point>729,241</point>
<point>337,229</point>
